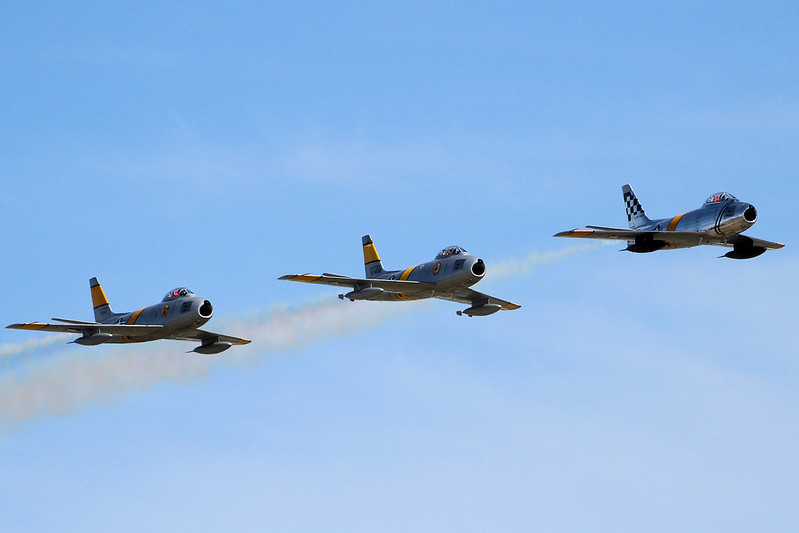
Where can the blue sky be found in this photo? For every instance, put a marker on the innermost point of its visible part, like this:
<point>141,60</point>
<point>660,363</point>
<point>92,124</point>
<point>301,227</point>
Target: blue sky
<point>219,147</point>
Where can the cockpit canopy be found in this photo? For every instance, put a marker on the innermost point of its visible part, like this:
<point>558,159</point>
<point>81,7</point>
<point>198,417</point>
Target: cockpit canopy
<point>449,251</point>
<point>180,292</point>
<point>720,197</point>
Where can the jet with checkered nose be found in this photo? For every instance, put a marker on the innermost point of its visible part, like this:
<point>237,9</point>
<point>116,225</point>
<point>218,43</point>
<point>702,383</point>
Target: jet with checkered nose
<point>719,222</point>
<point>447,277</point>
<point>178,316</point>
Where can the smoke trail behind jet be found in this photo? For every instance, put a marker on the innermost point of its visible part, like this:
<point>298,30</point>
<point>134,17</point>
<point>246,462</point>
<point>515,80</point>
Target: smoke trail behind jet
<point>75,376</point>
<point>72,378</point>
<point>527,264</point>
<point>12,350</point>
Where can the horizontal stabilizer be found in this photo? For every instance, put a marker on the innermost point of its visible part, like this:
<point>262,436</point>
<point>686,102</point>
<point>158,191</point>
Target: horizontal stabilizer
<point>71,321</point>
<point>605,228</point>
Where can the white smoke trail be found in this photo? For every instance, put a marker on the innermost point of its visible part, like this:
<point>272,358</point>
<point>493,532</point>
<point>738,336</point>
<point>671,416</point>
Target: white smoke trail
<point>527,264</point>
<point>61,383</point>
<point>72,378</point>
<point>57,385</point>
<point>286,328</point>
<point>11,350</point>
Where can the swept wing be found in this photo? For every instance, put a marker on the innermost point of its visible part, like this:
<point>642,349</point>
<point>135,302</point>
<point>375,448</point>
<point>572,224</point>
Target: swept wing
<point>476,299</point>
<point>82,327</point>
<point>207,336</point>
<point>464,295</point>
<point>683,239</point>
<point>392,285</point>
<point>78,326</point>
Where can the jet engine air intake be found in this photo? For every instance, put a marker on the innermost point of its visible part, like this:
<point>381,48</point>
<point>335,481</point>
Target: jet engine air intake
<point>750,215</point>
<point>206,309</point>
<point>479,268</point>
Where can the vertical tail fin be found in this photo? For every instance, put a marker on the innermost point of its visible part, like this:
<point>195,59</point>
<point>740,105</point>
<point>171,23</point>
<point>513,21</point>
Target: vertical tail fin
<point>102,311</point>
<point>635,213</point>
<point>371,261</point>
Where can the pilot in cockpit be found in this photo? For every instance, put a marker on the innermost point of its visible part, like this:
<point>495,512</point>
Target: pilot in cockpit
<point>720,197</point>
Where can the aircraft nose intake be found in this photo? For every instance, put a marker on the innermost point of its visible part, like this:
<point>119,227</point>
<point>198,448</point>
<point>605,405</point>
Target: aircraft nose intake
<point>750,215</point>
<point>479,268</point>
<point>206,309</point>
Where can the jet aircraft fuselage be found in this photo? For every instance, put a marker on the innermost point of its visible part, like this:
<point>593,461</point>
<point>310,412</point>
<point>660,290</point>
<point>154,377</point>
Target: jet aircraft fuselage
<point>720,222</point>
<point>453,268</point>
<point>179,310</point>
<point>178,316</point>
<point>447,277</point>
<point>722,214</point>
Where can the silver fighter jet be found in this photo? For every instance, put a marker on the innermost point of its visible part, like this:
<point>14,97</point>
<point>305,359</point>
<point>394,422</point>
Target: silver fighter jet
<point>720,222</point>
<point>178,316</point>
<point>447,277</point>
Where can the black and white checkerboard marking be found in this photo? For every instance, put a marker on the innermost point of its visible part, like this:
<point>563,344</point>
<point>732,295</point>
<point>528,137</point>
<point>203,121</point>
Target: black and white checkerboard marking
<point>634,208</point>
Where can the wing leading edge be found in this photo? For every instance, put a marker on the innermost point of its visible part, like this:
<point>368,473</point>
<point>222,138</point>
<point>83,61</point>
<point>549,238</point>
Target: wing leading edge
<point>208,336</point>
<point>477,299</point>
<point>88,327</point>
<point>393,285</point>
<point>97,333</point>
<point>480,304</point>
<point>681,239</point>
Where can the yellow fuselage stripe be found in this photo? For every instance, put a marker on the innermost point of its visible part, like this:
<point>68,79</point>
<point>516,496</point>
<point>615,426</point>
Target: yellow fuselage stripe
<point>674,221</point>
<point>405,275</point>
<point>134,317</point>
<point>132,320</point>
<point>370,253</point>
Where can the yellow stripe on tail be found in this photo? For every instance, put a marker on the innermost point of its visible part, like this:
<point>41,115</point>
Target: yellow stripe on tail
<point>371,261</point>
<point>98,297</point>
<point>370,253</point>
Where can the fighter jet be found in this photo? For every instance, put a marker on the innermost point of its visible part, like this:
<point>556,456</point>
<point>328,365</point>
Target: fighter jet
<point>447,277</point>
<point>178,316</point>
<point>720,222</point>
